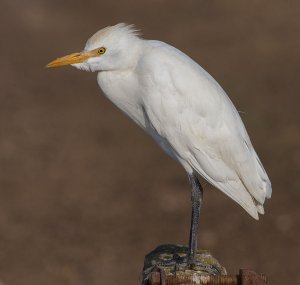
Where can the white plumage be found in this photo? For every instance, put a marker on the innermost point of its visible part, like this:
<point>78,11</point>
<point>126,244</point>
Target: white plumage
<point>181,107</point>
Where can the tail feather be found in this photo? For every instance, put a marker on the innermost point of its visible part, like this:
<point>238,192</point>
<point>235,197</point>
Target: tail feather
<point>236,191</point>
<point>247,185</point>
<point>260,208</point>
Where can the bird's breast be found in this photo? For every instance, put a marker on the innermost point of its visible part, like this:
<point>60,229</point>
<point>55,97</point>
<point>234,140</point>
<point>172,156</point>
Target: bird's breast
<point>121,88</point>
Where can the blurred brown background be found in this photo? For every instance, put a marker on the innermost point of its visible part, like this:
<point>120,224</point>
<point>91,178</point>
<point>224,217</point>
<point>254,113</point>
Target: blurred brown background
<point>85,193</point>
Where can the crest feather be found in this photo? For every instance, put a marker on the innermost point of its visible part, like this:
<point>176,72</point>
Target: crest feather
<point>116,30</point>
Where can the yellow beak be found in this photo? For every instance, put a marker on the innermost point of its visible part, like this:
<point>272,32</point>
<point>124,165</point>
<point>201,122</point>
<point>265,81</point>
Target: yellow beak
<point>73,58</point>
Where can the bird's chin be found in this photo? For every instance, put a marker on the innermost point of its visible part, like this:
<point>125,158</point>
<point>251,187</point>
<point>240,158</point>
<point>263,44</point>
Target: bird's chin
<point>84,66</point>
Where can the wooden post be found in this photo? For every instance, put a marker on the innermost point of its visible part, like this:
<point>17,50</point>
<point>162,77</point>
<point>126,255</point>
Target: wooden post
<point>245,277</point>
<point>166,266</point>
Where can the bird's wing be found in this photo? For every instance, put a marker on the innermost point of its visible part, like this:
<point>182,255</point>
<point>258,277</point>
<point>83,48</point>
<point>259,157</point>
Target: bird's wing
<point>190,111</point>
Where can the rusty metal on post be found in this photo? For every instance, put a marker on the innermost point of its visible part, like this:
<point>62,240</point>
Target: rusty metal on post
<point>245,277</point>
<point>249,277</point>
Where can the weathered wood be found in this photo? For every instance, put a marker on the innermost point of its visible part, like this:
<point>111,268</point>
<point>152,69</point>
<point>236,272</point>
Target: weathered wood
<point>246,277</point>
<point>166,266</point>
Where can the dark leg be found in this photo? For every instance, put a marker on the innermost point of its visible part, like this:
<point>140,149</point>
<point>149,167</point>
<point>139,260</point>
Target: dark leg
<point>189,261</point>
<point>197,195</point>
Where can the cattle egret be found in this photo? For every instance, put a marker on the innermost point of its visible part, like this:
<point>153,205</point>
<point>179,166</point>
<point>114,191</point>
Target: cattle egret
<point>183,109</point>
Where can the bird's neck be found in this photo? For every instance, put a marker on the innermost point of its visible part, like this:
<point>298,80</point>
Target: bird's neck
<point>119,87</point>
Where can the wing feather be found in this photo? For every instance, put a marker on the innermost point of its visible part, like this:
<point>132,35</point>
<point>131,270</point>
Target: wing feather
<point>189,110</point>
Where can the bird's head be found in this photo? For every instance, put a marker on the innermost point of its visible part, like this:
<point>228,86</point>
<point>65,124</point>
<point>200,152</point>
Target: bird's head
<point>111,48</point>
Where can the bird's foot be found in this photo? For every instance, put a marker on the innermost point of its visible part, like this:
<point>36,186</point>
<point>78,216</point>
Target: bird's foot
<point>176,262</point>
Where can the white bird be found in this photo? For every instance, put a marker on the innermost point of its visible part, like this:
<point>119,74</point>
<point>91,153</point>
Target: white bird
<point>183,109</point>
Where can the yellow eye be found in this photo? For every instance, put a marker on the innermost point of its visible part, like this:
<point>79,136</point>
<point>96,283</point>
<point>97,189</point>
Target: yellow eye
<point>101,50</point>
